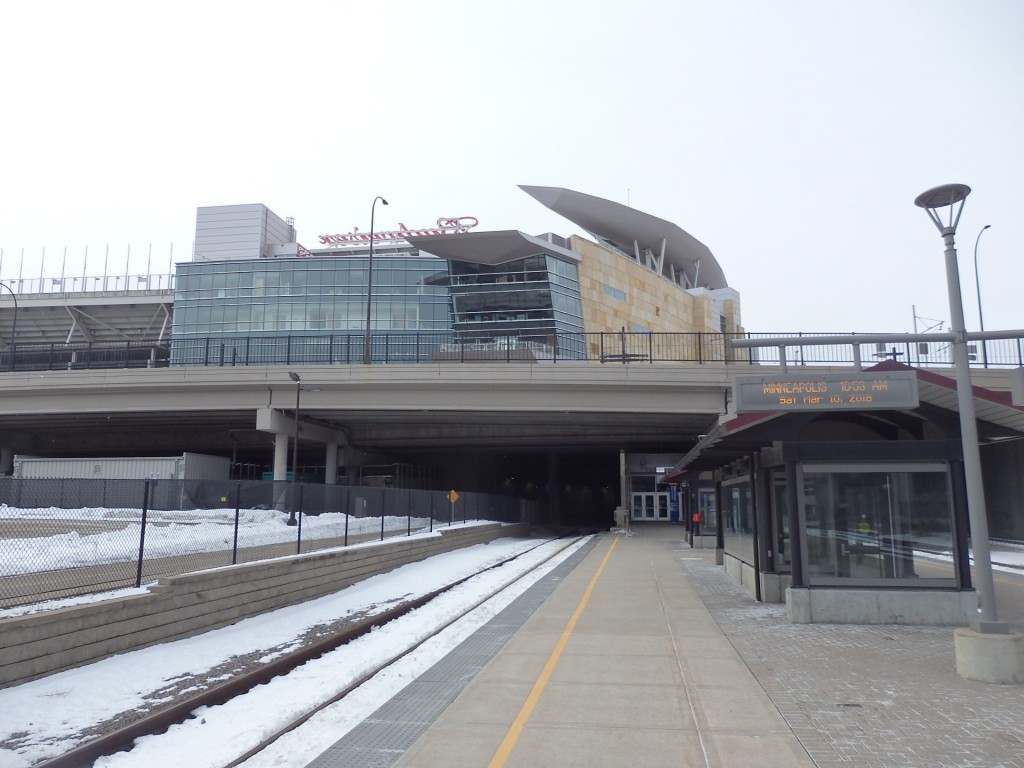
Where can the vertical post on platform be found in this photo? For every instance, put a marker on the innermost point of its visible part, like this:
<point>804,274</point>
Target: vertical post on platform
<point>953,197</point>
<point>142,533</point>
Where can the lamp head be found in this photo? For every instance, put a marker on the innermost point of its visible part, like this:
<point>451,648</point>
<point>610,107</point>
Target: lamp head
<point>294,376</point>
<point>384,201</point>
<point>948,195</point>
<point>940,197</point>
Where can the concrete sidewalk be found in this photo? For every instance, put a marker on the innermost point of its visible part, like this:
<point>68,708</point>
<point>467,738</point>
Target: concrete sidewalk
<point>646,678</point>
<point>872,696</point>
<point>639,651</point>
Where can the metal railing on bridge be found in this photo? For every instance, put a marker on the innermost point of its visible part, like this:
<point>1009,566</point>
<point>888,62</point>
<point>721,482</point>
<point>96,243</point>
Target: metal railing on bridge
<point>411,348</point>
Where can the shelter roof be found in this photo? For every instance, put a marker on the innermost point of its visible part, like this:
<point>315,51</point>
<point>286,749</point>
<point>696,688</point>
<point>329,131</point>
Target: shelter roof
<point>741,434</point>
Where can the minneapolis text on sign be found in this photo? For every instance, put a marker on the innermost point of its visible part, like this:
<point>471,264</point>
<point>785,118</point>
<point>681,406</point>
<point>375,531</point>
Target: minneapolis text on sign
<point>896,389</point>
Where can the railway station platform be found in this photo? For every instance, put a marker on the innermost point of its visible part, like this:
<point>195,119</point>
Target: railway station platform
<point>610,660</point>
<point>639,651</point>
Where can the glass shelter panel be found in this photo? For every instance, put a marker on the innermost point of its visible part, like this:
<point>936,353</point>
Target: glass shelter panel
<point>708,510</point>
<point>875,523</point>
<point>738,518</point>
<point>780,521</point>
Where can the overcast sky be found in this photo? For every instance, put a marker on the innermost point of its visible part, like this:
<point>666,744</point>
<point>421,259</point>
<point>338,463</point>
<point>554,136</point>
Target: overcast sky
<point>791,137</point>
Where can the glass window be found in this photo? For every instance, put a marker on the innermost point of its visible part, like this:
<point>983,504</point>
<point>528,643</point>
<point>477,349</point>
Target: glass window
<point>738,518</point>
<point>878,522</point>
<point>708,510</point>
<point>615,293</point>
<point>780,519</point>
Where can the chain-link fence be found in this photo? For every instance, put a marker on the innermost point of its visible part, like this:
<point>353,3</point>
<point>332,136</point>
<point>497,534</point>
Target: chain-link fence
<point>65,537</point>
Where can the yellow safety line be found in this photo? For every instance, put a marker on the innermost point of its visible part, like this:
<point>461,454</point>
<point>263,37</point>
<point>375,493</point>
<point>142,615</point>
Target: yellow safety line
<point>516,729</point>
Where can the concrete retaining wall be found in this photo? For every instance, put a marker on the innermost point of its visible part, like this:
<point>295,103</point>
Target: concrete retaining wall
<point>180,606</point>
<point>881,606</point>
<point>773,585</point>
<point>856,605</point>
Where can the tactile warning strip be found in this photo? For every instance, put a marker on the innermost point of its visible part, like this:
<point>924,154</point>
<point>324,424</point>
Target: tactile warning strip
<point>381,739</point>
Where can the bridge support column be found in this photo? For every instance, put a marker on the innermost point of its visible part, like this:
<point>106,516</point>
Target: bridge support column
<point>6,460</point>
<point>622,511</point>
<point>554,489</point>
<point>331,477</point>
<point>280,456</point>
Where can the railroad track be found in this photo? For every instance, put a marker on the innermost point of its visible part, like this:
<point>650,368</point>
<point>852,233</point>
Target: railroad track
<point>159,721</point>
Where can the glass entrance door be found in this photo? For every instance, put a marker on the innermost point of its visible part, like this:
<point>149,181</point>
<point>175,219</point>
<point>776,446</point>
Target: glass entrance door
<point>650,506</point>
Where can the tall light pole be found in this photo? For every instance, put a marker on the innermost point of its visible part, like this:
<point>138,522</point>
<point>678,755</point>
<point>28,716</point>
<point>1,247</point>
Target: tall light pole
<point>952,196</point>
<point>14,325</point>
<point>295,450</point>
<point>977,287</point>
<point>369,284</point>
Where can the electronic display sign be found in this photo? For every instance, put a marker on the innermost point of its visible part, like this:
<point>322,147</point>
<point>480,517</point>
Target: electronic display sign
<point>852,391</point>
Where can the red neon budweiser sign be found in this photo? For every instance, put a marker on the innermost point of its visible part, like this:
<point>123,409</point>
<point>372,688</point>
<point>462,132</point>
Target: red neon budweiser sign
<point>445,226</point>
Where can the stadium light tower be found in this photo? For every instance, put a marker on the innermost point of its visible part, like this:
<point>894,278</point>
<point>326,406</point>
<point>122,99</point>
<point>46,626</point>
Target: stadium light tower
<point>14,325</point>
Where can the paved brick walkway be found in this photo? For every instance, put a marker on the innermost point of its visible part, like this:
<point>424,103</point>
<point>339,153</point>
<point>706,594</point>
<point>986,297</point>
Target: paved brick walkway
<point>871,696</point>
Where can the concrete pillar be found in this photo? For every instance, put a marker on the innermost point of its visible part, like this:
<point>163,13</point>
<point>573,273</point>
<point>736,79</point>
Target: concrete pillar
<point>622,511</point>
<point>280,456</point>
<point>554,496</point>
<point>989,658</point>
<point>623,481</point>
<point>331,461</point>
<point>6,460</point>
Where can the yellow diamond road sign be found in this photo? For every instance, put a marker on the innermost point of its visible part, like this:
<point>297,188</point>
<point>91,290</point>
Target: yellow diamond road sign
<point>453,496</point>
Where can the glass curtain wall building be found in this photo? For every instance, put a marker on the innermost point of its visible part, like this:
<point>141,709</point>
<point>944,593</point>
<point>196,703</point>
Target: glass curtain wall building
<point>313,309</point>
<point>295,310</point>
<point>531,302</point>
<point>253,295</point>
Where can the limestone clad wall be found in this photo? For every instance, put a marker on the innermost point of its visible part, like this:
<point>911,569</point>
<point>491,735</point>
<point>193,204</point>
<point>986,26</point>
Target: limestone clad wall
<point>639,299</point>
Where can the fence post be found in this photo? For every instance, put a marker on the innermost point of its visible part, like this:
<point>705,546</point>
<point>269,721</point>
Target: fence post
<point>298,531</point>
<point>142,533</point>
<point>238,503</point>
<point>382,524</point>
<point>347,516</point>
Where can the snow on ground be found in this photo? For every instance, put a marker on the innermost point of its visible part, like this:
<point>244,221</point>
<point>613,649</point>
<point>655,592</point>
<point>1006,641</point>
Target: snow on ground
<point>170,533</point>
<point>40,719</point>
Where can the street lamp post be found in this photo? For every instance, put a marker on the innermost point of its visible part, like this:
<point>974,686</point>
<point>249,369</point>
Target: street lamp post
<point>369,284</point>
<point>14,326</point>
<point>295,450</point>
<point>977,287</point>
<point>952,196</point>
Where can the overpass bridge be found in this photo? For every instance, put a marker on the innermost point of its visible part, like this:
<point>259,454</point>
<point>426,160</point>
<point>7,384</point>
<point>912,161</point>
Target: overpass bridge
<point>481,423</point>
<point>514,428</point>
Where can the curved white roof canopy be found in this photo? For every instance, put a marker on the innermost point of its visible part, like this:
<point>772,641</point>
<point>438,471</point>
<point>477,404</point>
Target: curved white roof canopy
<point>655,243</point>
<point>489,247</point>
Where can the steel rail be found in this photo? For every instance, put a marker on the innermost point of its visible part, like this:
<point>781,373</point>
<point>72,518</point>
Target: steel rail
<point>157,722</point>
